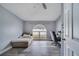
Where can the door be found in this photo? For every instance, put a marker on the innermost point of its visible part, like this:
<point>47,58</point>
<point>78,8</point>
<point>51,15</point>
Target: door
<point>39,32</point>
<point>71,29</point>
<point>39,35</point>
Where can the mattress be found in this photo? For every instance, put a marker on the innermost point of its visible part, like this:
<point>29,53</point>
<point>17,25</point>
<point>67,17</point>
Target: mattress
<point>21,42</point>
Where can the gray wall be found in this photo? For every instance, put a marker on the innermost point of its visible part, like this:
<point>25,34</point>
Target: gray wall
<point>50,26</point>
<point>11,27</point>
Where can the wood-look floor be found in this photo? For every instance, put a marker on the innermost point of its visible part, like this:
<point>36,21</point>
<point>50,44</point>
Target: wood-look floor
<point>37,48</point>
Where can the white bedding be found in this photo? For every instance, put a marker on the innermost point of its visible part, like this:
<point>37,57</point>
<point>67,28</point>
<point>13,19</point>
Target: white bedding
<point>24,38</point>
<point>21,40</point>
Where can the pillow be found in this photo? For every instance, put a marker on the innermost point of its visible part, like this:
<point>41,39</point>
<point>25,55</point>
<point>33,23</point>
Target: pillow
<point>26,36</point>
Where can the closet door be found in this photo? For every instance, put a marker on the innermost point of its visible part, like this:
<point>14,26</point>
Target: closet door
<point>71,29</point>
<point>75,27</point>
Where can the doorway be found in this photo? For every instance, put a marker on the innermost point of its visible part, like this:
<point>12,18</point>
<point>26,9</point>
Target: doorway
<point>39,32</point>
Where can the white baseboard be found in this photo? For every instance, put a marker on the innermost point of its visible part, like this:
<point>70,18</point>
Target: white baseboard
<point>4,50</point>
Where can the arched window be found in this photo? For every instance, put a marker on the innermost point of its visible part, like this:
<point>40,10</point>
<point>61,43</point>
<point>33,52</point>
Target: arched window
<point>39,32</point>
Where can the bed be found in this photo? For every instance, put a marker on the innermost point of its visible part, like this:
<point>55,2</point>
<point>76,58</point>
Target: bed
<point>22,42</point>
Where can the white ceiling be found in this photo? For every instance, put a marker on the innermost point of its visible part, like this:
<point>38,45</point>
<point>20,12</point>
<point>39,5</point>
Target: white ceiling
<point>34,11</point>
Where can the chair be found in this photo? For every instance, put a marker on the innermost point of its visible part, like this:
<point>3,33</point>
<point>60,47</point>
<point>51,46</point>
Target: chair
<point>55,38</point>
